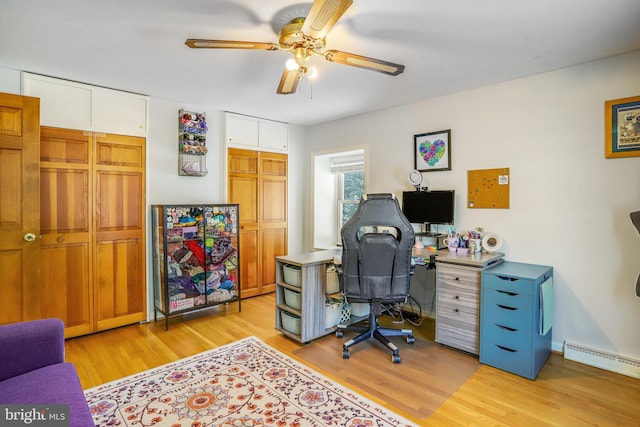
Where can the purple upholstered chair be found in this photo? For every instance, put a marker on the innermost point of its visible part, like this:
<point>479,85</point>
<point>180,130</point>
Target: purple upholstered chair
<point>33,370</point>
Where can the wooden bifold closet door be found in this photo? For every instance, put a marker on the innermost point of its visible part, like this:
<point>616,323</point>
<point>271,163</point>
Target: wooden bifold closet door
<point>92,203</point>
<point>257,181</point>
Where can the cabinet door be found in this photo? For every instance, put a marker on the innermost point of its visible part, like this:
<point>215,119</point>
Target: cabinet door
<point>62,104</point>
<point>242,130</point>
<point>273,179</point>
<point>66,229</point>
<point>273,135</point>
<point>72,105</point>
<point>119,276</point>
<point>273,214</point>
<point>119,112</point>
<point>258,182</point>
<point>243,189</point>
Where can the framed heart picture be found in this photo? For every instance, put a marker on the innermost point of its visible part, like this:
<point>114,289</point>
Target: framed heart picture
<point>432,151</point>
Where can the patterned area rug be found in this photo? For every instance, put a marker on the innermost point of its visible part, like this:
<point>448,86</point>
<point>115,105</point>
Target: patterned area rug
<point>243,384</point>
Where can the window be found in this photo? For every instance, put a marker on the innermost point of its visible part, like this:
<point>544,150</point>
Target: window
<point>350,189</point>
<point>339,180</point>
<point>350,181</point>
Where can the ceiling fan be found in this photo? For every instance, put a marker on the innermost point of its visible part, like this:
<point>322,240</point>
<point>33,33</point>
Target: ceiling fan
<point>304,37</point>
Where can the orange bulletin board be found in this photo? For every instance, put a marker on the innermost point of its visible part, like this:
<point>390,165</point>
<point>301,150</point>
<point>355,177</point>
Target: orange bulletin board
<point>488,188</point>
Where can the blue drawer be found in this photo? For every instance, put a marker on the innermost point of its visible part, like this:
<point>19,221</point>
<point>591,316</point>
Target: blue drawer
<point>507,309</point>
<point>508,284</point>
<point>503,349</point>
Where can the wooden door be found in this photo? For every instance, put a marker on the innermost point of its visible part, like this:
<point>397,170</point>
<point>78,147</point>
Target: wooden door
<point>258,183</point>
<point>273,215</point>
<point>19,208</point>
<point>92,206</point>
<point>119,251</point>
<point>243,189</point>
<point>66,260</point>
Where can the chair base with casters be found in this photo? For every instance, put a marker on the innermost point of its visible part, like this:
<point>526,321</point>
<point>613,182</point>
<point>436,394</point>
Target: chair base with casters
<point>373,330</point>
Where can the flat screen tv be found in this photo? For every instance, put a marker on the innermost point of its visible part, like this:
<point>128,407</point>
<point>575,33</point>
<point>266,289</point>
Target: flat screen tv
<point>429,207</point>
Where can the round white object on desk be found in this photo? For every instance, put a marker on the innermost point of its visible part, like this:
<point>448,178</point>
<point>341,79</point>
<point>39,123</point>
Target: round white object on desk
<point>491,242</point>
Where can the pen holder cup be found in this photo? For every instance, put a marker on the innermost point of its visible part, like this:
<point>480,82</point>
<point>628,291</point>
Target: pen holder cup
<point>475,245</point>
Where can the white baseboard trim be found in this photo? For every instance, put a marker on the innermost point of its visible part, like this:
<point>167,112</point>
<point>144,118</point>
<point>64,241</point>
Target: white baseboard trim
<point>602,359</point>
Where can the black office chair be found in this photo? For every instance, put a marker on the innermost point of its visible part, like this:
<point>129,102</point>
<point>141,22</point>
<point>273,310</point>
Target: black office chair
<point>376,266</point>
<point>635,219</point>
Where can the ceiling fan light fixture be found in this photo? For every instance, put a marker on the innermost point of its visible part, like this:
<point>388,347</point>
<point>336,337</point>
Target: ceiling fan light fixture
<point>304,37</point>
<point>292,65</point>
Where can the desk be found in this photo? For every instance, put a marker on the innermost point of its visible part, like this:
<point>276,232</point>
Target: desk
<point>457,287</point>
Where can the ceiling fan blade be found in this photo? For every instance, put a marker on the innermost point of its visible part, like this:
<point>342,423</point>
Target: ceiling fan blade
<point>289,81</point>
<point>364,62</point>
<point>229,44</point>
<point>323,16</point>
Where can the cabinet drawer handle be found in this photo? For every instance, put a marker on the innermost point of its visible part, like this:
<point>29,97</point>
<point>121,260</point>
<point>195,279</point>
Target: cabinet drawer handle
<point>506,307</point>
<point>457,279</point>
<point>457,297</point>
<point>506,328</point>
<point>511,294</point>
<point>507,278</point>
<point>455,310</point>
<point>510,350</point>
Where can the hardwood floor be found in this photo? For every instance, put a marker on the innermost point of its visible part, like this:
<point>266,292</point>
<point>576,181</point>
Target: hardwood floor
<point>433,385</point>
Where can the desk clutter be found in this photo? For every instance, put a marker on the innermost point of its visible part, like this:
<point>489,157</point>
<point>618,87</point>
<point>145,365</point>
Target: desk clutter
<point>472,241</point>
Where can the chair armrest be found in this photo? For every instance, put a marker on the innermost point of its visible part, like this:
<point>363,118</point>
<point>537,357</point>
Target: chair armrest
<point>27,346</point>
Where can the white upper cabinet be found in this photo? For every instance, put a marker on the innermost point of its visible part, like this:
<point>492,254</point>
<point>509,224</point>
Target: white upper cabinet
<point>62,104</point>
<point>273,135</point>
<point>72,105</point>
<point>241,130</point>
<point>119,112</point>
<point>254,133</point>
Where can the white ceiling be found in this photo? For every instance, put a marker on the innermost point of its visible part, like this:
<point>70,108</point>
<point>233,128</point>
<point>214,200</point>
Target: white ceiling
<point>446,45</point>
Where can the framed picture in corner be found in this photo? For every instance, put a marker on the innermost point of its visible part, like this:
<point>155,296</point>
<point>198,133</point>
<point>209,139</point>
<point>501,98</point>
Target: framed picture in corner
<point>432,151</point>
<point>622,127</point>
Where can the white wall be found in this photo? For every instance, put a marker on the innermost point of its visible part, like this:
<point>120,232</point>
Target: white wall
<point>569,205</point>
<point>165,186</point>
<point>325,220</point>
<point>10,81</point>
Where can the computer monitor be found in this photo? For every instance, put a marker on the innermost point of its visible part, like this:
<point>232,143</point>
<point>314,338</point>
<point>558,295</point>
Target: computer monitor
<point>429,207</point>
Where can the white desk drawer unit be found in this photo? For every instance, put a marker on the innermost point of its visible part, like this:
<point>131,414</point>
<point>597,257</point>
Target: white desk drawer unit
<point>515,325</point>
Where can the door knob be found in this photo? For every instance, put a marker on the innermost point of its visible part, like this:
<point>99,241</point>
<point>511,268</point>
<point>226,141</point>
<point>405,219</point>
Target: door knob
<point>29,237</point>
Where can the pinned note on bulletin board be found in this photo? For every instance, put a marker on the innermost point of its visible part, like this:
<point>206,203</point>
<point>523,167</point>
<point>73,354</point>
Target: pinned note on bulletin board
<point>488,188</point>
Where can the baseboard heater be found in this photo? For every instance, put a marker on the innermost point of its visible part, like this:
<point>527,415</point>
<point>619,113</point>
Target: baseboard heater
<point>603,360</point>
